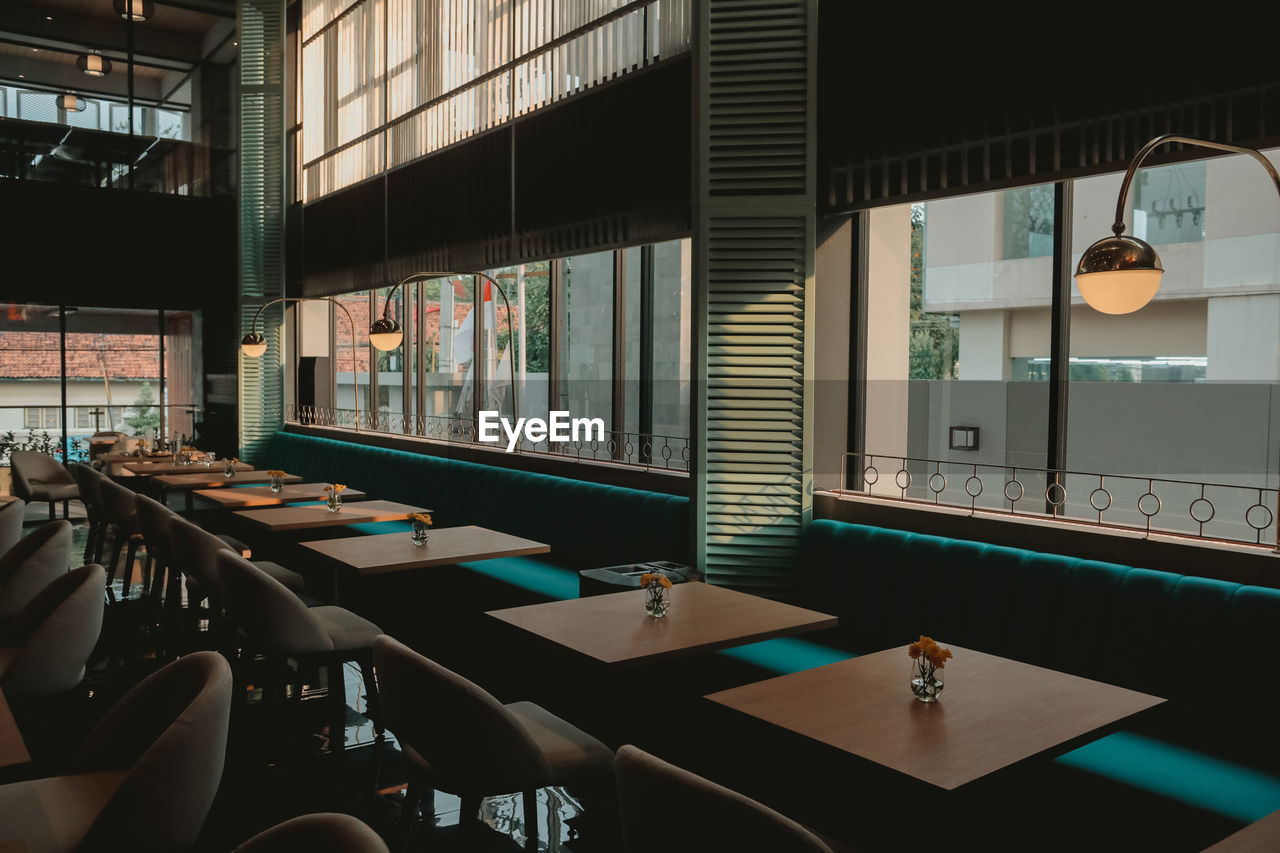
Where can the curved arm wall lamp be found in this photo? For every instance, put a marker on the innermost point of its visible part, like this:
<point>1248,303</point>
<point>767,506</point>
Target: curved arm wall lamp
<point>254,345</point>
<point>385,333</point>
<point>1119,274</point>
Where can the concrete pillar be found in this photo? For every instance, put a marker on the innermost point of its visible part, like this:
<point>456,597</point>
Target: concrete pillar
<point>984,345</point>
<point>1242,336</point>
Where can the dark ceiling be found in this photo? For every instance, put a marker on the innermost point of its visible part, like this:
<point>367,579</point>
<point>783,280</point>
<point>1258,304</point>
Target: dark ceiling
<point>41,39</point>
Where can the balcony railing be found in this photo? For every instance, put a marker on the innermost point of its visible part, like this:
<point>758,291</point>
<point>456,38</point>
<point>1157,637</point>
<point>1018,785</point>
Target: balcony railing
<point>654,452</point>
<point>1240,512</point>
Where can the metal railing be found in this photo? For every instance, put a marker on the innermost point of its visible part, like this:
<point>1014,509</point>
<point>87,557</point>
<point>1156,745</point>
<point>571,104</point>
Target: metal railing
<point>1242,512</point>
<point>659,452</point>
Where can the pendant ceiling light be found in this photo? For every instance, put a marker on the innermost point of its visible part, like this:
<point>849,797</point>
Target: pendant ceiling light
<point>135,10</point>
<point>71,103</point>
<point>93,64</point>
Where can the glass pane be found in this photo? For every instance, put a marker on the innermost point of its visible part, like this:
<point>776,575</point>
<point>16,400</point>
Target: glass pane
<point>30,382</point>
<point>391,371</point>
<point>449,343</point>
<point>113,367</point>
<point>183,388</point>
<point>586,382</point>
<point>1183,388</point>
<point>631,344</point>
<point>672,338</point>
<point>351,361</point>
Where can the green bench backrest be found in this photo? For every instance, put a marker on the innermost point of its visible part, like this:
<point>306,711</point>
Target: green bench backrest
<point>1169,634</point>
<point>586,524</point>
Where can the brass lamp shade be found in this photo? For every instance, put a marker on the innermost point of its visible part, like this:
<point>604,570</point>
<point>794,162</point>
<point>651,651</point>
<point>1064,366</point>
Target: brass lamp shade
<point>385,334</point>
<point>71,103</point>
<point>253,345</point>
<point>1119,275</point>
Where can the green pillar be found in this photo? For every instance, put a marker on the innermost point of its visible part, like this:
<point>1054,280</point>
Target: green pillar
<point>754,223</point>
<point>262,206</point>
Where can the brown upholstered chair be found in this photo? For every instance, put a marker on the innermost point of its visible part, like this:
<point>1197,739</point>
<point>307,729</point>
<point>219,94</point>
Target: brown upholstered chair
<point>38,477</point>
<point>44,648</point>
<point>11,514</point>
<point>696,814</point>
<point>316,833</point>
<point>456,737</point>
<point>280,625</point>
<point>39,558</point>
<point>87,480</point>
<point>193,552</point>
<point>146,775</point>
<point>121,513</point>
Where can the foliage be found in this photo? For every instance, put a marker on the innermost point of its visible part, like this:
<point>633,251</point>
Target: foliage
<point>537,319</point>
<point>41,442</point>
<point>146,416</point>
<point>934,345</point>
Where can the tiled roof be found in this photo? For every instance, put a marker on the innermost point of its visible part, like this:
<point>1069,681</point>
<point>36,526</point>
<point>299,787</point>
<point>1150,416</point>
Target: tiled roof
<point>35,355</point>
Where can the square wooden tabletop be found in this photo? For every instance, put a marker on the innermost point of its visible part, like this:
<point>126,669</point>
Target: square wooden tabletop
<point>614,628</point>
<point>993,712</point>
<point>215,479</point>
<point>253,496</point>
<point>151,469</point>
<point>13,749</point>
<point>395,552</point>
<point>284,518</point>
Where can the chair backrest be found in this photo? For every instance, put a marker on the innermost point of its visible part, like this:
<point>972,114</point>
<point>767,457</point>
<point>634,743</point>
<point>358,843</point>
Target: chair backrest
<point>118,505</point>
<point>31,466</point>
<point>125,444</point>
<point>316,833</point>
<point>464,732</point>
<point>87,482</point>
<point>193,551</point>
<point>56,632</point>
<point>36,561</point>
<point>156,520</point>
<point>266,610</point>
<point>11,515</point>
<point>667,809</point>
<point>170,733</point>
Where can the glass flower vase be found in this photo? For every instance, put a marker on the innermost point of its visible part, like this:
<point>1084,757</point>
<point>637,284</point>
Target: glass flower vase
<point>277,483</point>
<point>334,501</point>
<point>229,468</point>
<point>656,602</point>
<point>925,685</point>
<point>420,533</point>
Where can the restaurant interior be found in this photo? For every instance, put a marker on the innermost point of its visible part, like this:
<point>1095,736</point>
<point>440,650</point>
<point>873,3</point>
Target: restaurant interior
<point>741,435</point>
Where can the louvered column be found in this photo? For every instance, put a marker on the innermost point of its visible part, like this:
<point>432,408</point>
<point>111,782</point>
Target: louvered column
<point>753,265</point>
<point>262,200</point>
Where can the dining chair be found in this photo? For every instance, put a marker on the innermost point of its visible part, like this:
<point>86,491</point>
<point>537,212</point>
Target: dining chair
<point>155,519</point>
<point>194,550</point>
<point>456,737</point>
<point>146,776</point>
<point>11,516</point>
<point>121,513</point>
<point>87,480</point>
<point>282,627</point>
<point>45,647</point>
<point>316,833</point>
<point>38,477</point>
<point>36,561</point>
<point>665,809</point>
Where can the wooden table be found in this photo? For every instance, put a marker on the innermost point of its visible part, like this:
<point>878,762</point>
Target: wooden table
<point>1262,836</point>
<point>13,750</point>
<point>993,713</point>
<point>211,478</point>
<point>263,496</point>
<point>287,518</point>
<point>151,469</point>
<point>152,459</point>
<point>395,552</point>
<point>614,629</point>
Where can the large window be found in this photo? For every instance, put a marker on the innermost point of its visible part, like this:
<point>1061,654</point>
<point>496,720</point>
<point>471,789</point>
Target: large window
<point>604,335</point>
<point>375,95</point>
<point>1169,416</point>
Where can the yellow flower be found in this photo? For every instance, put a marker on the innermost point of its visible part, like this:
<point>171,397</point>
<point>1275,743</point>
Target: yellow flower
<point>914,651</point>
<point>665,581</point>
<point>336,487</point>
<point>424,517</point>
<point>655,577</point>
<point>275,473</point>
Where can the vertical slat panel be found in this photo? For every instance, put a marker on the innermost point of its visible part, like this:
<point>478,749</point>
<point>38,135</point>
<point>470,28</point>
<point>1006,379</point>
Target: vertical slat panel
<point>753,255</point>
<point>262,204</point>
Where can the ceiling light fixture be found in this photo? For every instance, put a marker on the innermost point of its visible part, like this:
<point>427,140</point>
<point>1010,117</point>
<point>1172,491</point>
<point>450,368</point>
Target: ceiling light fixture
<point>135,10</point>
<point>1119,274</point>
<point>71,104</point>
<point>94,64</point>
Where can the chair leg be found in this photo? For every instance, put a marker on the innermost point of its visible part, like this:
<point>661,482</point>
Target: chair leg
<point>99,541</point>
<point>88,541</point>
<point>53,513</point>
<point>469,816</point>
<point>66,511</point>
<point>337,707</point>
<point>373,699</point>
<point>409,811</point>
<point>531,818</point>
<point>117,544</point>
